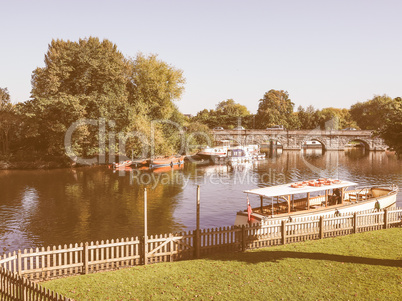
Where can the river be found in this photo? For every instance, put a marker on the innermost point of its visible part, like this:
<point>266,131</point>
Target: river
<point>63,206</point>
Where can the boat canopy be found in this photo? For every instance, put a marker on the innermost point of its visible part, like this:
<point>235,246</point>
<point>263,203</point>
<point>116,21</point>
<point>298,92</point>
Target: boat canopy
<point>287,189</point>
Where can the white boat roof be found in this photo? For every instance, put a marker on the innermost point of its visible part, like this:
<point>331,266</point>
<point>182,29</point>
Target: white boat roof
<point>286,189</point>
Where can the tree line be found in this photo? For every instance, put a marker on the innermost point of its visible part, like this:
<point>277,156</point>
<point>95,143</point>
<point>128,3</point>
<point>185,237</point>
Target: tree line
<point>381,114</point>
<point>126,105</point>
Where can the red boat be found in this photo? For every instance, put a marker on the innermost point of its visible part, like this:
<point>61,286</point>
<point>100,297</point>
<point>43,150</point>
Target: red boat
<point>165,161</point>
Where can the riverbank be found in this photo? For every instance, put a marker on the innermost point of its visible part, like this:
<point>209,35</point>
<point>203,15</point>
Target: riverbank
<point>23,165</point>
<point>365,266</point>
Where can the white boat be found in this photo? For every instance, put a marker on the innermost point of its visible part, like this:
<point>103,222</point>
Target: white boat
<point>217,152</point>
<point>211,153</point>
<point>312,144</point>
<point>315,198</point>
<point>244,154</point>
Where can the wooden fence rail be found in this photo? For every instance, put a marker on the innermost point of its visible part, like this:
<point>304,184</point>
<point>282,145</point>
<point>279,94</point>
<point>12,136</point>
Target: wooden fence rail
<point>40,264</point>
<point>15,287</point>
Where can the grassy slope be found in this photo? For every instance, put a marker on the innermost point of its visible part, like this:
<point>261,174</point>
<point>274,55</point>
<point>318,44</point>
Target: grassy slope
<point>365,266</point>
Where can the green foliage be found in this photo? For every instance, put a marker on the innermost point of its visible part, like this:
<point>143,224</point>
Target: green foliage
<point>9,122</point>
<point>198,136</point>
<point>275,108</point>
<point>4,96</point>
<point>154,86</point>
<point>228,114</point>
<point>231,108</point>
<point>87,67</point>
<point>364,266</point>
<point>391,129</point>
<point>370,115</point>
<point>90,79</point>
<point>334,119</point>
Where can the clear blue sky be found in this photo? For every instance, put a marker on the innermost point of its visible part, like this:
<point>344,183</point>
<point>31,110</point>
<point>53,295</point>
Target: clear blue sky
<point>324,53</point>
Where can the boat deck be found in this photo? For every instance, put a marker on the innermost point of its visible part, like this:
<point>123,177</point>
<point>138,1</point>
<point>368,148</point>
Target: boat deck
<point>280,206</point>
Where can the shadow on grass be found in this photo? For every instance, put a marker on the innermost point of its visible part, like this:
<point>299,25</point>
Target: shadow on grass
<point>275,256</point>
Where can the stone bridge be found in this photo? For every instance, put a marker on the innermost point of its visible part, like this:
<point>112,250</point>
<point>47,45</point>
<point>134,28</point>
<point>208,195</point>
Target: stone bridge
<point>294,139</point>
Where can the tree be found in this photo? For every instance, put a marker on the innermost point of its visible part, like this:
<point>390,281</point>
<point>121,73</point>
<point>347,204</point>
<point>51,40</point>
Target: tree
<point>275,108</point>
<point>154,86</point>
<point>308,117</point>
<point>9,122</point>
<point>87,67</point>
<point>231,108</point>
<point>334,119</point>
<point>369,115</point>
<point>91,79</point>
<point>391,129</point>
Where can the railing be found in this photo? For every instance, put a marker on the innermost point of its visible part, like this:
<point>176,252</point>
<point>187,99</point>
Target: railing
<point>84,258</point>
<point>15,287</point>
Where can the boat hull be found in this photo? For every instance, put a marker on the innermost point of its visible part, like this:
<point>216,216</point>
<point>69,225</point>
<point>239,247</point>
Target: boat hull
<point>386,201</point>
<point>162,162</point>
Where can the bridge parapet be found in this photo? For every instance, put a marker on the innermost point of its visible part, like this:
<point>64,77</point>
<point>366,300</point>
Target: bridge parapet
<point>294,139</point>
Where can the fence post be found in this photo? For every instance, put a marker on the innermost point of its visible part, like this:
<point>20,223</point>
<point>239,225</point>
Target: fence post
<point>321,227</point>
<point>86,253</point>
<point>355,222</point>
<point>197,231</point>
<point>19,263</point>
<point>386,223</point>
<point>145,228</point>
<point>283,232</point>
<point>243,238</point>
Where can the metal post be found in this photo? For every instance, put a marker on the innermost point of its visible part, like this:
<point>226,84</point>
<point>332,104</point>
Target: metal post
<point>197,231</point>
<point>262,204</point>
<point>145,228</point>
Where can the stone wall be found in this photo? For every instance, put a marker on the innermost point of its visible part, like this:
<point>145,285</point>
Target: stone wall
<point>294,139</point>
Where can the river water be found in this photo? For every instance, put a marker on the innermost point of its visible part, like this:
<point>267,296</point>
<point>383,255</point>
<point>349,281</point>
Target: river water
<point>63,206</point>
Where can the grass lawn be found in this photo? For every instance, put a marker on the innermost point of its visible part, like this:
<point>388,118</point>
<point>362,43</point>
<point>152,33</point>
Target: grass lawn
<point>366,266</point>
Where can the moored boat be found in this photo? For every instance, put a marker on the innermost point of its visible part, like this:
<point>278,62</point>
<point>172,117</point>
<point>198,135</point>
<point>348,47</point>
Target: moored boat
<point>165,161</point>
<point>315,198</point>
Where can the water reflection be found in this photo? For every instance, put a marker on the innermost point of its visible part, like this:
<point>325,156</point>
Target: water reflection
<point>41,208</point>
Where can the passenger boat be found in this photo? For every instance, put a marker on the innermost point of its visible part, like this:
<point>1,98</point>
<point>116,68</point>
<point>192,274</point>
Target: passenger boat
<point>165,161</point>
<point>244,154</point>
<point>315,198</point>
<point>239,155</point>
<point>215,153</point>
<point>211,153</point>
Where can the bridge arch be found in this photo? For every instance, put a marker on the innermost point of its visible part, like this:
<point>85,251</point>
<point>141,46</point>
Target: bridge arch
<point>314,138</point>
<point>364,142</point>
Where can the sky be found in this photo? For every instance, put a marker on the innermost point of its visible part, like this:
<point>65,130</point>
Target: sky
<point>323,53</point>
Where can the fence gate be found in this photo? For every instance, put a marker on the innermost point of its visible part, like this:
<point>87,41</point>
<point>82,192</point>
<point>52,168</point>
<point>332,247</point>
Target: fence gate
<point>169,247</point>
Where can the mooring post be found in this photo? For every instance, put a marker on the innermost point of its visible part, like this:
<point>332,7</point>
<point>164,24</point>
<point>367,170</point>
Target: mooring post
<point>197,231</point>
<point>145,228</point>
<point>321,227</point>
<point>86,253</point>
<point>283,232</point>
<point>19,263</point>
<point>243,238</point>
<point>386,218</point>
